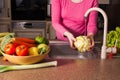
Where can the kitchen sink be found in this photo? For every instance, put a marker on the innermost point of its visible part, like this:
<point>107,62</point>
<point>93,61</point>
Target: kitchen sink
<point>62,50</point>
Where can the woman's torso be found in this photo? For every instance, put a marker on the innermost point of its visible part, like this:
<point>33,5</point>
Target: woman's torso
<point>73,15</point>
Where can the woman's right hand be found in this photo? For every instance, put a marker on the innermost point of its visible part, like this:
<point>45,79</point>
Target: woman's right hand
<point>71,39</point>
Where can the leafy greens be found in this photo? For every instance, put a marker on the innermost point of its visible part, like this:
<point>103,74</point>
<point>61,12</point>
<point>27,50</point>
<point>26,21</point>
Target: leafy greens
<point>113,37</point>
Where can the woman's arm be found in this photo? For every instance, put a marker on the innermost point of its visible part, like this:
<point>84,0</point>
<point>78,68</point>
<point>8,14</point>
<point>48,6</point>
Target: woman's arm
<point>92,24</point>
<point>56,17</point>
<point>57,22</point>
<point>92,20</point>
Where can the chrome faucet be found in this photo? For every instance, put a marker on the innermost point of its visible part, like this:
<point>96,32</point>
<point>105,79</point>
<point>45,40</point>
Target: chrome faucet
<point>104,47</point>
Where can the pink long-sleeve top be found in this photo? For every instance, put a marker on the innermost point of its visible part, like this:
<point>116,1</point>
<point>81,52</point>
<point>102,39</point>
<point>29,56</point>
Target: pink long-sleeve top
<point>69,16</point>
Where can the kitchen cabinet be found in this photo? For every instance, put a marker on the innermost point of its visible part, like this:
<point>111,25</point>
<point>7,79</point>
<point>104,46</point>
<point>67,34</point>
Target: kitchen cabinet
<point>4,15</point>
<point>50,32</point>
<point>4,9</point>
<point>5,26</point>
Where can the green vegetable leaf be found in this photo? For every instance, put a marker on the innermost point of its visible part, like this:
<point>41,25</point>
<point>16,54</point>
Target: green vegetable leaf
<point>112,37</point>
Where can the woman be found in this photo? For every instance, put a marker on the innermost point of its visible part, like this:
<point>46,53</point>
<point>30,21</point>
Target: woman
<point>68,19</point>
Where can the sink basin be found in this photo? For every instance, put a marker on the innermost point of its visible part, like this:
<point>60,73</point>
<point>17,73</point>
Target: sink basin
<point>62,50</point>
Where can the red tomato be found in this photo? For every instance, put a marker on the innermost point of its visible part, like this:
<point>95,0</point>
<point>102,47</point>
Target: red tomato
<point>22,50</point>
<point>16,44</point>
<point>10,49</point>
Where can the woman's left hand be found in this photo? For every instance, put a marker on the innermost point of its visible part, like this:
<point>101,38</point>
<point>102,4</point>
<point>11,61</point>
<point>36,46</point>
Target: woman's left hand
<point>91,37</point>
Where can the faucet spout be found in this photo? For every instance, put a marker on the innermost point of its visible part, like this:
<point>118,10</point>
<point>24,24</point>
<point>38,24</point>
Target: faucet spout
<point>104,47</point>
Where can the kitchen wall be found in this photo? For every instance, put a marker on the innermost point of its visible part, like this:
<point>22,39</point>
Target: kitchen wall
<point>113,12</point>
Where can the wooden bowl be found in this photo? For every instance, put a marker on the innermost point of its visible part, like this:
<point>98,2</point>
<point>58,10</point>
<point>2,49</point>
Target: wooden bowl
<point>25,59</point>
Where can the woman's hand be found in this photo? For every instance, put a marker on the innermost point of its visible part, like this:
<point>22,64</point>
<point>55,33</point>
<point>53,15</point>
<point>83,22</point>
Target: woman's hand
<point>91,37</point>
<point>71,39</point>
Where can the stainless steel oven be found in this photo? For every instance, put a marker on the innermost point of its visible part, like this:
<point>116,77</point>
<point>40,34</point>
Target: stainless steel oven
<point>28,9</point>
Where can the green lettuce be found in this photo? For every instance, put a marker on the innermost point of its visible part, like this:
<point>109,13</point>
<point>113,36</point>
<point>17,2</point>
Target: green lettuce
<point>113,37</point>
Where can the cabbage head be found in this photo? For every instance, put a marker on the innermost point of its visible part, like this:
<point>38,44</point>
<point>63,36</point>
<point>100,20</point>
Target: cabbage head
<point>82,43</point>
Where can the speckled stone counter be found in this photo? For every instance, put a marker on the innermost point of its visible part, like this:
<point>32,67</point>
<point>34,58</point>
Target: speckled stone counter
<point>69,69</point>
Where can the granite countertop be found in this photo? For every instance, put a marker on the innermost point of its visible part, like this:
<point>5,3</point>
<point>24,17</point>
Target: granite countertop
<point>69,69</point>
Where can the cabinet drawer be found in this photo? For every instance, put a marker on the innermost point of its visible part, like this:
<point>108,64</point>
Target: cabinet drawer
<point>4,27</point>
<point>30,33</point>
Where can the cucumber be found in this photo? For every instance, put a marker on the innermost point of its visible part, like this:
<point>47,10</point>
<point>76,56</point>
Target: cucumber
<point>7,39</point>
